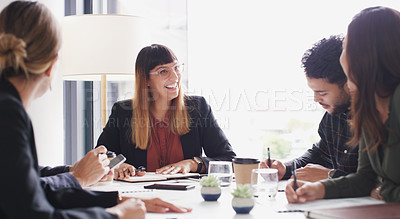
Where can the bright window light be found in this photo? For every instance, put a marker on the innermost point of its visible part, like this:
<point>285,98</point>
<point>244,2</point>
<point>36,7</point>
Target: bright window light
<point>245,58</point>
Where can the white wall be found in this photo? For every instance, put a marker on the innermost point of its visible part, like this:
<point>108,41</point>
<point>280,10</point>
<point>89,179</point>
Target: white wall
<point>47,112</point>
<point>244,56</point>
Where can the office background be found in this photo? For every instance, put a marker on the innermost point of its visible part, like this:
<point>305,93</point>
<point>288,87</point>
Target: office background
<point>242,55</point>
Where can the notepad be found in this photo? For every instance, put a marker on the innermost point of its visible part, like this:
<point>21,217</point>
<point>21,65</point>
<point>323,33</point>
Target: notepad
<point>112,187</point>
<point>151,176</point>
<point>387,210</point>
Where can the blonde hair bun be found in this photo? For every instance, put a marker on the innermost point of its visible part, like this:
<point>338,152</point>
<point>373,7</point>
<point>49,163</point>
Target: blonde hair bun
<point>12,52</point>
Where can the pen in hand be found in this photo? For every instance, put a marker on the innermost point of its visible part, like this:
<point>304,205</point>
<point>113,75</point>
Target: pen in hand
<point>269,159</point>
<point>294,177</point>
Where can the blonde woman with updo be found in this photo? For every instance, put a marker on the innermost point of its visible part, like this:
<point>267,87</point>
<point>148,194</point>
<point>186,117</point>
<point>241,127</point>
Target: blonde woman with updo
<point>29,45</point>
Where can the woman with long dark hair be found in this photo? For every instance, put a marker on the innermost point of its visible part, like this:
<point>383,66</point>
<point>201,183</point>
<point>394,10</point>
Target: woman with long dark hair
<point>371,61</point>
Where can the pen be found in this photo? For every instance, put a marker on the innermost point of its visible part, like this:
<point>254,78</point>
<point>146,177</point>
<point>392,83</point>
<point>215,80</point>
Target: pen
<point>269,159</point>
<point>294,177</point>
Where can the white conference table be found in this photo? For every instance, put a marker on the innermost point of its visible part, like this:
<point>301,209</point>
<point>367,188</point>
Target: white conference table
<point>263,208</point>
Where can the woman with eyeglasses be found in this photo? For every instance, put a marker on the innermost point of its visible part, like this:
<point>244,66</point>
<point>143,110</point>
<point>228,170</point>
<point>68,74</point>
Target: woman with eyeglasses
<point>371,62</point>
<point>161,128</point>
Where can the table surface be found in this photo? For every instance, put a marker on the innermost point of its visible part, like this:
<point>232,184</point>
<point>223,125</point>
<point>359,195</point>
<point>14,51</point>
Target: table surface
<point>263,208</point>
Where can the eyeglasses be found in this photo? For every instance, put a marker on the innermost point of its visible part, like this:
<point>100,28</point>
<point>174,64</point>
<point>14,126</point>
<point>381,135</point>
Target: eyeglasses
<point>166,72</point>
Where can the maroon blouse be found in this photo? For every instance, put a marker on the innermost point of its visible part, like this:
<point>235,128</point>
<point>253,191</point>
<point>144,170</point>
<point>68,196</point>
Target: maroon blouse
<point>165,147</point>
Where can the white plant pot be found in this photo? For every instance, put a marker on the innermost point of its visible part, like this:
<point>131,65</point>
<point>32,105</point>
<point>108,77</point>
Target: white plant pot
<point>242,205</point>
<point>210,193</point>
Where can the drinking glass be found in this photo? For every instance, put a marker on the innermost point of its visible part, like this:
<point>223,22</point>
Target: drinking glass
<point>222,170</point>
<point>265,182</point>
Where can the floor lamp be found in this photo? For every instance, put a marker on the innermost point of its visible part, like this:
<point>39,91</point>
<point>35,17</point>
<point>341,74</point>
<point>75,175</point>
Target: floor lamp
<point>100,47</point>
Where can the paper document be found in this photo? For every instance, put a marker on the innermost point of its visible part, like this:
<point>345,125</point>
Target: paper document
<point>124,188</point>
<point>333,203</point>
<point>385,210</point>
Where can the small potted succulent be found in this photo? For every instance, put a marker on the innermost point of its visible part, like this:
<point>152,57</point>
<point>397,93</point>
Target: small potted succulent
<point>210,189</point>
<point>243,200</point>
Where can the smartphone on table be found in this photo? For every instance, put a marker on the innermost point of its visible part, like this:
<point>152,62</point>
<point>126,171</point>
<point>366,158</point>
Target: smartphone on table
<point>169,186</point>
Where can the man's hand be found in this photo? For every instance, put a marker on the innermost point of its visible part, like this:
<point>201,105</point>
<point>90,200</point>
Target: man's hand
<point>92,167</point>
<point>312,173</point>
<point>275,164</point>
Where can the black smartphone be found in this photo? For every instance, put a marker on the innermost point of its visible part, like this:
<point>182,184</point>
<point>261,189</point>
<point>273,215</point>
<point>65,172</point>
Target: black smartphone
<point>116,161</point>
<point>169,186</point>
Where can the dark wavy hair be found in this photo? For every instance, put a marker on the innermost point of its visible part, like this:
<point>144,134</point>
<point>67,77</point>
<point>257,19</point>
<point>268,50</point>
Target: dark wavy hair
<point>322,60</point>
<point>373,57</point>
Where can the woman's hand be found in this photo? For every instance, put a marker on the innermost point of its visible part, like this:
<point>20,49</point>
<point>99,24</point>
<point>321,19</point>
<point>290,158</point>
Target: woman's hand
<point>124,171</point>
<point>92,167</point>
<point>157,205</point>
<point>184,166</point>
<point>375,192</point>
<point>306,192</point>
<point>129,208</point>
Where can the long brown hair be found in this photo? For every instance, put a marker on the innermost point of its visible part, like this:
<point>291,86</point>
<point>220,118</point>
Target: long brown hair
<point>147,59</point>
<point>373,56</point>
<point>29,39</point>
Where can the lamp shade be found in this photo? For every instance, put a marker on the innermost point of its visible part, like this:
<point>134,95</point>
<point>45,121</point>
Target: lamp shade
<point>95,45</point>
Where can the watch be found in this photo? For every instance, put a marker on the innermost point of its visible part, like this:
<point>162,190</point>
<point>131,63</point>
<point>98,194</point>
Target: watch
<point>199,162</point>
<point>331,173</point>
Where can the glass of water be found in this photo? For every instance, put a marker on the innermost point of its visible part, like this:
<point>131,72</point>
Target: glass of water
<point>222,170</point>
<point>265,182</point>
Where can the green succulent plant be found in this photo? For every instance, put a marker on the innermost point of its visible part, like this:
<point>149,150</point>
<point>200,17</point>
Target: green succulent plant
<point>210,181</point>
<point>243,191</point>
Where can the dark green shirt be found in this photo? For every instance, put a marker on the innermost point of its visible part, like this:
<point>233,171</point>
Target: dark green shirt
<point>373,168</point>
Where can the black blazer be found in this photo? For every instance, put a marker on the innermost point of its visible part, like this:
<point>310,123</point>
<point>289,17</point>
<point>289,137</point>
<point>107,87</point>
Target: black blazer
<point>22,195</point>
<point>205,134</point>
<point>58,177</point>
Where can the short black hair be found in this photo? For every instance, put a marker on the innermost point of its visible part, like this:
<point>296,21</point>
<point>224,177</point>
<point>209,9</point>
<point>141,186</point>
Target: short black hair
<point>322,60</point>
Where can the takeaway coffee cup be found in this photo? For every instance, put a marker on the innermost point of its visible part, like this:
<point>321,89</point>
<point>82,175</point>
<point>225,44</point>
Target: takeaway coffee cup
<point>243,167</point>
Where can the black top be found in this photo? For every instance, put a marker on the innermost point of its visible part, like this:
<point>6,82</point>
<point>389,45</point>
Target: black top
<point>205,134</point>
<point>331,151</point>
<point>22,195</point>
<point>58,177</point>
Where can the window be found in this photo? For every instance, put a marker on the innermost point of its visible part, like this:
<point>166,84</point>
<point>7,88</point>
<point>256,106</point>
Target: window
<point>244,58</point>
<point>168,23</point>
